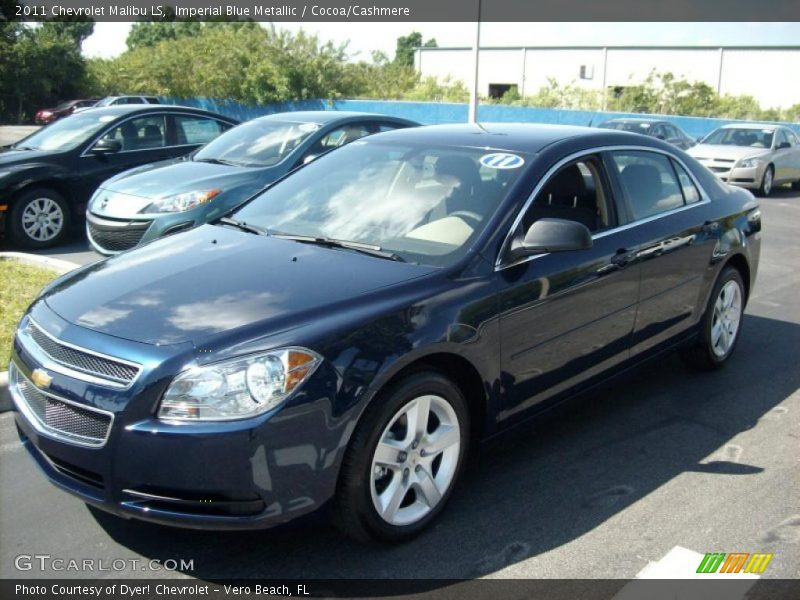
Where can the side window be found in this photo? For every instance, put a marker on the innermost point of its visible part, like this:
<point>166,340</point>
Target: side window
<point>649,182</point>
<point>690,192</point>
<point>781,139</point>
<point>576,193</point>
<point>196,130</point>
<point>792,138</point>
<point>659,132</point>
<point>388,127</point>
<point>344,135</point>
<point>140,134</point>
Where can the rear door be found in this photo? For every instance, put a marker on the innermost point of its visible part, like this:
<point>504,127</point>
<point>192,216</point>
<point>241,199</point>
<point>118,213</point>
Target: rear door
<point>670,240</point>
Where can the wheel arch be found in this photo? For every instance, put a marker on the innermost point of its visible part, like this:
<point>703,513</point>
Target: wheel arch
<point>739,262</point>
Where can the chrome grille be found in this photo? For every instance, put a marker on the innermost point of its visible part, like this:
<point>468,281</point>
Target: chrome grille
<point>80,360</point>
<point>57,417</point>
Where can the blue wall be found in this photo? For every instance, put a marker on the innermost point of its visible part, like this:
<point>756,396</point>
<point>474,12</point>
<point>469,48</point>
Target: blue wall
<point>430,113</point>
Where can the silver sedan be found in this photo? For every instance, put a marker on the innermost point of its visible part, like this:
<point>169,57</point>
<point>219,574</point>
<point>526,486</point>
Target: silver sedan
<point>753,156</point>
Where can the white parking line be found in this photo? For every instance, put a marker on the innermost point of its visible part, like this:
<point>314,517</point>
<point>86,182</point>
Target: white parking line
<point>681,564</point>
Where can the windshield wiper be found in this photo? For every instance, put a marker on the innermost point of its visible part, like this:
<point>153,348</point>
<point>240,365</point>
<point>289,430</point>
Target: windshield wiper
<point>369,249</point>
<point>217,161</point>
<point>244,226</point>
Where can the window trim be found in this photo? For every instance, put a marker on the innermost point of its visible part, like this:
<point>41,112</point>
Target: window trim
<point>501,264</point>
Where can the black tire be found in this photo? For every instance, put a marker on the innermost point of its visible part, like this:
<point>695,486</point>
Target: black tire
<point>29,198</point>
<point>767,182</point>
<point>796,186</point>
<point>701,355</point>
<point>355,512</point>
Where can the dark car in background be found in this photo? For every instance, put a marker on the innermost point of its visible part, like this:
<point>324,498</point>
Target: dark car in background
<point>344,337</point>
<point>143,204</point>
<point>48,115</point>
<point>661,130</point>
<point>47,178</point>
<point>121,100</point>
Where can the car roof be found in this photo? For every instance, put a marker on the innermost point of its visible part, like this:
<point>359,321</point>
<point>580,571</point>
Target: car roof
<point>635,120</point>
<point>323,117</point>
<point>126,109</point>
<point>516,137</point>
<point>750,126</point>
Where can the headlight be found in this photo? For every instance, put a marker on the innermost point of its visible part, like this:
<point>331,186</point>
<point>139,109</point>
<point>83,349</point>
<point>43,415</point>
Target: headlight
<point>239,388</point>
<point>747,163</point>
<point>181,202</point>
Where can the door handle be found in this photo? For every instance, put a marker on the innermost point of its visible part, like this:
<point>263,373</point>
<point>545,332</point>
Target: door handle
<point>622,258</point>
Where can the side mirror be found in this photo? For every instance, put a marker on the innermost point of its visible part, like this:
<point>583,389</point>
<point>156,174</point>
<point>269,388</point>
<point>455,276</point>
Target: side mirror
<point>551,235</point>
<point>106,146</point>
<point>309,158</point>
<point>784,145</point>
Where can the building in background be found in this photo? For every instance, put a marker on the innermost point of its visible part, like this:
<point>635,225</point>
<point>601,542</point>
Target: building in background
<point>767,73</point>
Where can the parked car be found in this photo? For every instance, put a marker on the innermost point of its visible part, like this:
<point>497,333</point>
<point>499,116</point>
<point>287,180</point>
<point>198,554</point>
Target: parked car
<point>662,130</point>
<point>47,178</point>
<point>347,334</point>
<point>121,100</point>
<point>753,156</point>
<point>48,115</point>
<point>152,201</point>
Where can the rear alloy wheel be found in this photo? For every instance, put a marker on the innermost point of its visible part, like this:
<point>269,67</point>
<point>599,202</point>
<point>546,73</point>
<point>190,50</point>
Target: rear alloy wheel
<point>721,323</point>
<point>767,182</point>
<point>38,218</point>
<point>404,460</point>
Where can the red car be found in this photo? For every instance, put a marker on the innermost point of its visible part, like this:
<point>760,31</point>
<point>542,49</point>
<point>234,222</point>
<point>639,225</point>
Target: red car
<point>48,115</point>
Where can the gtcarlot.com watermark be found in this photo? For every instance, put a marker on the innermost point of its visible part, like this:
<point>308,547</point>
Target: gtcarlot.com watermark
<point>47,562</point>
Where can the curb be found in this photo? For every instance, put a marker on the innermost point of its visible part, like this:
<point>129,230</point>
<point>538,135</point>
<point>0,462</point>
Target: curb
<point>57,265</point>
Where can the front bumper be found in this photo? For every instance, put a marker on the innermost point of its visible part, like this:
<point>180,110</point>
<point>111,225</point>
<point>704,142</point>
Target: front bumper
<point>253,473</point>
<point>112,236</point>
<point>746,177</point>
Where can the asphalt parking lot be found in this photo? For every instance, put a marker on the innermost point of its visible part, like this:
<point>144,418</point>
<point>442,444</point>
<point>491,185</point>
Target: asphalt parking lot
<point>666,463</point>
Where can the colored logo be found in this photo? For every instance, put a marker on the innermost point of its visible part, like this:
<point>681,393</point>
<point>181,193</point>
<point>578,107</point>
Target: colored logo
<point>736,562</point>
<point>502,160</point>
<point>41,378</point>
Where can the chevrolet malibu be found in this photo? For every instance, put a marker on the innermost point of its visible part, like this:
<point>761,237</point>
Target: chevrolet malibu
<point>343,338</point>
<point>753,156</point>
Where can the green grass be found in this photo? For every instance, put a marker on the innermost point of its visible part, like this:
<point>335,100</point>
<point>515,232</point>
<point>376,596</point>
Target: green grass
<point>19,284</point>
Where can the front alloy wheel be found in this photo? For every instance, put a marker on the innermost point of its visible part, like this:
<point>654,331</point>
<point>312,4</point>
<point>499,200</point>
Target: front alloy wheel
<point>404,459</point>
<point>38,218</point>
<point>767,182</point>
<point>415,460</point>
<point>725,321</point>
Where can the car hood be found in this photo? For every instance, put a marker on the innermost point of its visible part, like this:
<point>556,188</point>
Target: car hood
<point>126,194</point>
<point>216,279</point>
<point>12,158</point>
<point>725,152</point>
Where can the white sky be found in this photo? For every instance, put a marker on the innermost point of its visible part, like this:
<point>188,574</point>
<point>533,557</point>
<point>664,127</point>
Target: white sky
<point>109,38</point>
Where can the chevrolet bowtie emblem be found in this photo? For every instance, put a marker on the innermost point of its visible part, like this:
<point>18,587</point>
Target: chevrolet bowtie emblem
<point>41,378</point>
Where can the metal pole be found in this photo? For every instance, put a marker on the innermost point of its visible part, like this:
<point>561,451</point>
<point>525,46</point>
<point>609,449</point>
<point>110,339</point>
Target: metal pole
<point>605,84</point>
<point>719,75</point>
<point>473,97</point>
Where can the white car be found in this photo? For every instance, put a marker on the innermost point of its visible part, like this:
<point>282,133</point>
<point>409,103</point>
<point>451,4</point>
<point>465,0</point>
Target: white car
<point>753,156</point>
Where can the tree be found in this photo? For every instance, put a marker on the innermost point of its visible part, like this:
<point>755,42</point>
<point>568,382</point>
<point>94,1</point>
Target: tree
<point>406,45</point>
<point>149,33</point>
<point>77,30</point>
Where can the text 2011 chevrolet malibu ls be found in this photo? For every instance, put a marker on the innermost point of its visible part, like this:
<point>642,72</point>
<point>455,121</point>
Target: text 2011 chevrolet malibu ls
<point>345,336</point>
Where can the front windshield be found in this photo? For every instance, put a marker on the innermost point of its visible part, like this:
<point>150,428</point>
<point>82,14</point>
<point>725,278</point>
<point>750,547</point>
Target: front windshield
<point>66,133</point>
<point>106,101</point>
<point>257,143</point>
<point>733,136</point>
<point>426,205</point>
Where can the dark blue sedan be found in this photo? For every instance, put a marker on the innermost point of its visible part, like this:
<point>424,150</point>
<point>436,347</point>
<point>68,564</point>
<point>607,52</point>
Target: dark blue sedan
<point>344,337</point>
<point>143,204</point>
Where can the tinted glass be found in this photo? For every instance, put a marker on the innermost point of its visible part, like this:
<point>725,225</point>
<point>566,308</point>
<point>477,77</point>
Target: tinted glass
<point>632,126</point>
<point>427,204</point>
<point>66,133</point>
<point>575,193</point>
<point>690,192</point>
<point>140,134</point>
<point>733,136</point>
<point>649,182</point>
<point>257,143</point>
<point>196,130</point>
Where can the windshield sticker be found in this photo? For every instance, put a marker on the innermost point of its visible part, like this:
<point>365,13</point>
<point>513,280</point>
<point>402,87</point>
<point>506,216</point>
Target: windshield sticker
<point>502,160</point>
